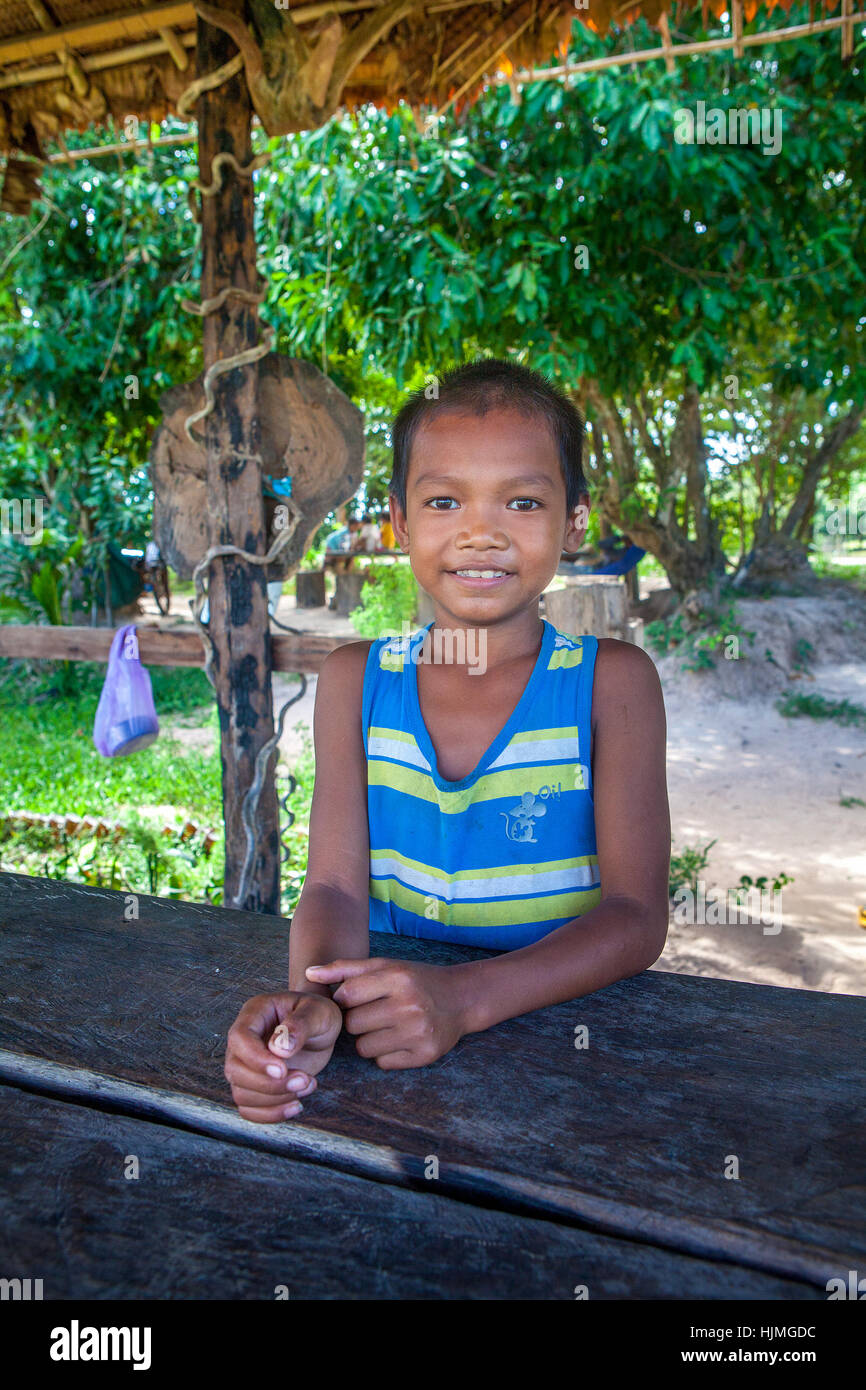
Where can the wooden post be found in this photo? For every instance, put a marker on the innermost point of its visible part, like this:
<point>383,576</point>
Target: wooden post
<point>237,591</point>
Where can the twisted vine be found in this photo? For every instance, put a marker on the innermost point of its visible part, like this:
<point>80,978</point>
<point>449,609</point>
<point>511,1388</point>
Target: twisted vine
<point>216,369</point>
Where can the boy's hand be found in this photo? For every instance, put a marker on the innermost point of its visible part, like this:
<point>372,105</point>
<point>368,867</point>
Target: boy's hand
<point>277,1040</point>
<point>406,1014</point>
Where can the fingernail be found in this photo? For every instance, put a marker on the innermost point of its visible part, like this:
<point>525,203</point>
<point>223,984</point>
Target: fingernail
<point>274,1070</point>
<point>294,1109</point>
<point>314,969</point>
<point>297,1083</point>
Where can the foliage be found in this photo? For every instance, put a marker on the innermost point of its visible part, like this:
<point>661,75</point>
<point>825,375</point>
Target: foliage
<point>794,706</point>
<point>779,882</point>
<point>389,597</point>
<point>38,732</point>
<point>687,867</point>
<point>390,252</point>
<point>48,761</point>
<point>140,858</point>
<point>697,642</point>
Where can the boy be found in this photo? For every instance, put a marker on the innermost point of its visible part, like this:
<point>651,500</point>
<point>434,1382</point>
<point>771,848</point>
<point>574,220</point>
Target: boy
<point>518,803</point>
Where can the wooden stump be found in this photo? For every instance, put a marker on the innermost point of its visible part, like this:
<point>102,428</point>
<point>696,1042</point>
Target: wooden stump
<point>348,593</point>
<point>593,605</point>
<point>310,588</point>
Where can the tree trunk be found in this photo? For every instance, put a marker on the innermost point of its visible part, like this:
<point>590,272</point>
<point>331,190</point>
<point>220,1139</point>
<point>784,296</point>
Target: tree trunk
<point>778,560</point>
<point>690,562</point>
<point>237,592</point>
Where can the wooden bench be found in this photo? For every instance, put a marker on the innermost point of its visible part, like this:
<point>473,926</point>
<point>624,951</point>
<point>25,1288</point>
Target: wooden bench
<point>558,1167</point>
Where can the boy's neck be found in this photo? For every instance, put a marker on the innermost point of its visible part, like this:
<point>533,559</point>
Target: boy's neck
<point>507,640</point>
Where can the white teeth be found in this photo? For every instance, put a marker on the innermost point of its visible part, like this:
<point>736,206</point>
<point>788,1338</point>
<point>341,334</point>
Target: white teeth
<point>481,574</point>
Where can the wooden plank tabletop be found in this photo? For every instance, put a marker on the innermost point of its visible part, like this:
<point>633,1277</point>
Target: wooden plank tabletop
<point>207,1219</point>
<point>630,1137</point>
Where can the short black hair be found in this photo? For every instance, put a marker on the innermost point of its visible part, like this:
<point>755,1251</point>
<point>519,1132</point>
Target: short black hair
<point>490,383</point>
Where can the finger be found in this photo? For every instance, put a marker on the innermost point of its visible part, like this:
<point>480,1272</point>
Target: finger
<point>291,1081</point>
<point>246,1039</point>
<point>271,1115</point>
<point>363,989</point>
<point>398,1061</point>
<point>343,969</point>
<point>368,1018</point>
<point>309,1025</point>
<point>254,1100</point>
<point>376,1044</point>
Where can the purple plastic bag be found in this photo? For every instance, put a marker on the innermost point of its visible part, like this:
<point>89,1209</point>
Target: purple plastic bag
<point>125,716</point>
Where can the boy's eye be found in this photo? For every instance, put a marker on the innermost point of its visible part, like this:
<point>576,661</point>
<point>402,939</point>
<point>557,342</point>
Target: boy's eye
<point>534,502</point>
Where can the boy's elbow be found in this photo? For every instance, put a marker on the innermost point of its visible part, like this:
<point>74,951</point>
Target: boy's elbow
<point>649,924</point>
<point>656,933</point>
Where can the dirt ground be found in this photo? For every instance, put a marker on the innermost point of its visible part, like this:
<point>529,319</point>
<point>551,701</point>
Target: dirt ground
<point>767,789</point>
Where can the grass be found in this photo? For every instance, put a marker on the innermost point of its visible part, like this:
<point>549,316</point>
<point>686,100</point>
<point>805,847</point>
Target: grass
<point>48,761</point>
<point>818,707</point>
<point>850,567</point>
<point>48,764</point>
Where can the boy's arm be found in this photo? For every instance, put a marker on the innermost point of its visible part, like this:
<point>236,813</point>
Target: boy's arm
<point>626,933</point>
<point>333,912</point>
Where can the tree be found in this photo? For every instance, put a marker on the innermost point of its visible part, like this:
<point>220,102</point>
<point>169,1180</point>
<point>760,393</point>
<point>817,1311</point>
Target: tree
<point>575,232</point>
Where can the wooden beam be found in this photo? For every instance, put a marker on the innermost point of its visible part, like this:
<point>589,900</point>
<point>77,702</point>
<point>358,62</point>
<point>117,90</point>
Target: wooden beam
<point>175,48</point>
<point>680,50</point>
<point>175,646</point>
<point>667,48</point>
<point>737,27</point>
<point>122,147</point>
<point>847,30</point>
<point>88,33</point>
<point>94,62</point>
<point>143,24</point>
<point>237,590</point>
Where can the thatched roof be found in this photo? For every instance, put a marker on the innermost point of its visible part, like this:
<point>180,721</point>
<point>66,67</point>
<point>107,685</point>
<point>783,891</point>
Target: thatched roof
<point>69,64</point>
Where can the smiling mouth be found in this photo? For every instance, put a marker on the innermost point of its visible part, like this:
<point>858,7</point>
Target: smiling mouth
<point>481,576</point>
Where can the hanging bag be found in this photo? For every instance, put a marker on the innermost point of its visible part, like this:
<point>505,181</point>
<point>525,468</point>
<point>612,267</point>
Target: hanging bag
<point>125,716</point>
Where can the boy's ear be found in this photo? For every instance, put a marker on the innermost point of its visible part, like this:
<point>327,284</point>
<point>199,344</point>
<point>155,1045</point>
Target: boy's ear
<point>577,523</point>
<point>398,522</point>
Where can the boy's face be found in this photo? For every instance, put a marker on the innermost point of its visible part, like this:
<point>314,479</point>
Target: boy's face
<point>486,492</point>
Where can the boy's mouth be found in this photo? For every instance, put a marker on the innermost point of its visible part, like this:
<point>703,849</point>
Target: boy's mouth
<point>478,578</point>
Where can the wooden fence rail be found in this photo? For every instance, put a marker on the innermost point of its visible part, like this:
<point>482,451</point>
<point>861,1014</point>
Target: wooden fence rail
<point>178,646</point>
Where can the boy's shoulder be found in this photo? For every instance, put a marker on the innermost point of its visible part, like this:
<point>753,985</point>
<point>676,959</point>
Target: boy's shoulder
<point>343,668</point>
<point>625,675</point>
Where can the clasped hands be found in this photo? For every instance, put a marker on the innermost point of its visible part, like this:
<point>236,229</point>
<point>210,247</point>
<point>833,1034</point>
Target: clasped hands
<point>403,1015</point>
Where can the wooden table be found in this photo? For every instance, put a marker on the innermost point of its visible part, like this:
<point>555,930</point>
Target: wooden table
<point>558,1167</point>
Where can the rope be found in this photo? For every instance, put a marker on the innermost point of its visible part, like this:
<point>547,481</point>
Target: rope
<point>191,94</point>
<point>245,171</point>
<point>253,793</point>
<point>223,365</point>
<point>216,369</point>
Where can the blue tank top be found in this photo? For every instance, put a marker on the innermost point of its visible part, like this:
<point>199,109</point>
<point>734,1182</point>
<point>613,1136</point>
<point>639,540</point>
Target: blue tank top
<point>507,854</point>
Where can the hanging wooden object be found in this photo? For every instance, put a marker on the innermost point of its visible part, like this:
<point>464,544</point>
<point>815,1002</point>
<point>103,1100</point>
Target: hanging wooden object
<point>310,432</point>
